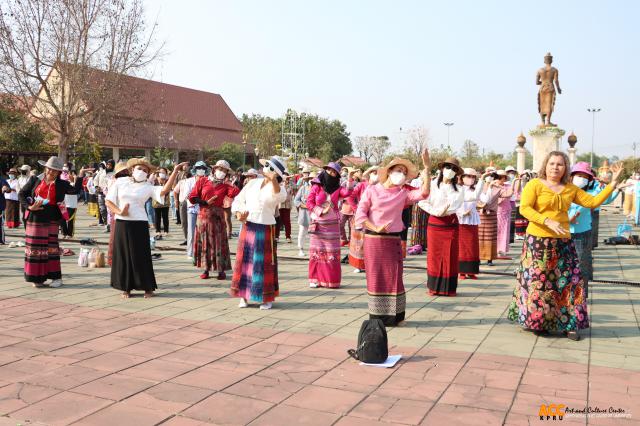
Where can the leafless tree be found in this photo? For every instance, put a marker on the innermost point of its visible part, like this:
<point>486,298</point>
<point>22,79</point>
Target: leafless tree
<point>417,140</point>
<point>372,148</point>
<point>66,60</point>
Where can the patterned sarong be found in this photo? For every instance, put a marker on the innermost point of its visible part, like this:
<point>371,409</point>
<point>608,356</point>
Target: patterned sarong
<point>255,273</point>
<point>383,260</point>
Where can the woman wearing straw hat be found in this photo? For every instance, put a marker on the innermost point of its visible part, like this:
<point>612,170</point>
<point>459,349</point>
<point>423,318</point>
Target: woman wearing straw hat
<point>469,219</point>
<point>44,196</point>
<point>445,198</point>
<point>12,209</point>
<point>211,246</point>
<point>300,202</point>
<point>504,211</point>
<point>488,228</point>
<point>120,170</point>
<point>379,214</point>
<point>255,273</point>
<point>132,268</point>
<point>324,244</point>
<point>356,242</point>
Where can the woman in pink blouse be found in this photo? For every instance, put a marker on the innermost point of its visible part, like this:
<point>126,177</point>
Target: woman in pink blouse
<point>380,215</point>
<point>324,244</point>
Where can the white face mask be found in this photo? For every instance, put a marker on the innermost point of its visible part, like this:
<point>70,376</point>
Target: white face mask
<point>373,178</point>
<point>397,178</point>
<point>266,170</point>
<point>12,176</point>
<point>448,174</point>
<point>580,181</point>
<point>200,172</point>
<point>162,175</point>
<point>220,174</point>
<point>139,175</point>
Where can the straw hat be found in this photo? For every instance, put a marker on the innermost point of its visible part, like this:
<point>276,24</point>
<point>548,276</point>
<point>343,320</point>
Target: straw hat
<point>251,172</point>
<point>53,163</point>
<point>510,169</point>
<point>140,162</point>
<point>451,161</point>
<point>119,167</point>
<point>25,167</point>
<point>468,171</point>
<point>412,171</point>
<point>370,170</point>
<point>222,164</point>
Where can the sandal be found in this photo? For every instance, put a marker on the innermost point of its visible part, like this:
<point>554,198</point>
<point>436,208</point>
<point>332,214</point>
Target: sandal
<point>148,294</point>
<point>572,335</point>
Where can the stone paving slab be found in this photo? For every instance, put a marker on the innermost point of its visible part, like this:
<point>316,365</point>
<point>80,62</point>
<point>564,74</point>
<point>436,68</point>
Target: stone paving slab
<point>82,355</point>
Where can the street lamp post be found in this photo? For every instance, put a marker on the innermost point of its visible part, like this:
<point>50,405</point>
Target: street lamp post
<point>593,128</point>
<point>448,133</point>
<point>244,151</point>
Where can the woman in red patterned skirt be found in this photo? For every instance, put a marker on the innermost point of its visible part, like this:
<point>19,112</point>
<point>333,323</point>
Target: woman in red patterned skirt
<point>356,242</point>
<point>445,199</point>
<point>379,215</point>
<point>469,219</point>
<point>211,245</point>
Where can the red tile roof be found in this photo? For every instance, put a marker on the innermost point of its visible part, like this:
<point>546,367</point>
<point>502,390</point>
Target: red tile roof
<point>161,114</point>
<point>351,161</point>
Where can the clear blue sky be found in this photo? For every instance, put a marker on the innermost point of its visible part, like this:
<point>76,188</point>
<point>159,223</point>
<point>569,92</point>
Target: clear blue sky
<point>381,65</point>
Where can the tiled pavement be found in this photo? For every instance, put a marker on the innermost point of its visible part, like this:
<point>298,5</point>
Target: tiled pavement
<point>82,355</point>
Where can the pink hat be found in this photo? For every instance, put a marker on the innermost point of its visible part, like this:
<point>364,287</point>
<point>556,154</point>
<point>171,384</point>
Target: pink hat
<point>582,167</point>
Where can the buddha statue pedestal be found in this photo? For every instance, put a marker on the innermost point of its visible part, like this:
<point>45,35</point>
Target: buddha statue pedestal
<point>544,139</point>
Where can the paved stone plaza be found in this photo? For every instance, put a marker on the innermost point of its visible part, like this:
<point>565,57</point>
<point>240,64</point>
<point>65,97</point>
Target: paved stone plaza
<point>82,355</point>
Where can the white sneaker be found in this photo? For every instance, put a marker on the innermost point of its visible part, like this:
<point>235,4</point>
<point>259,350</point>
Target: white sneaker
<point>357,271</point>
<point>56,283</point>
<point>313,285</point>
<point>300,253</point>
<point>243,303</point>
<point>266,306</point>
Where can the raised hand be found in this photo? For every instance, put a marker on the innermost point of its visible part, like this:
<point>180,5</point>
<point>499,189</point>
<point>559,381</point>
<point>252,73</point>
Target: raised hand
<point>617,170</point>
<point>426,159</point>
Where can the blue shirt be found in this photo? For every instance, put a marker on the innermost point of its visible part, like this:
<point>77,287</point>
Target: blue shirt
<point>583,222</point>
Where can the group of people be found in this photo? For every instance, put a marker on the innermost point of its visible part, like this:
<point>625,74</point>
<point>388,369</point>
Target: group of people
<point>459,215</point>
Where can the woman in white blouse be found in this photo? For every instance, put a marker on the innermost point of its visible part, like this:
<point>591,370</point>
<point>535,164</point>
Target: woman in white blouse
<point>132,268</point>
<point>445,199</point>
<point>255,273</point>
<point>469,219</point>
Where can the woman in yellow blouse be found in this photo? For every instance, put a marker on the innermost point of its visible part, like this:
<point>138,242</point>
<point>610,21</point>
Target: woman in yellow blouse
<point>549,293</point>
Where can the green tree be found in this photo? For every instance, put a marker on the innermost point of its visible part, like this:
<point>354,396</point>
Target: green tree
<point>227,151</point>
<point>18,133</point>
<point>597,159</point>
<point>161,156</point>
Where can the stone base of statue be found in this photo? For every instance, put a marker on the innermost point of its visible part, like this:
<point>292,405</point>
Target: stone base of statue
<point>521,155</point>
<point>544,140</point>
<point>573,157</point>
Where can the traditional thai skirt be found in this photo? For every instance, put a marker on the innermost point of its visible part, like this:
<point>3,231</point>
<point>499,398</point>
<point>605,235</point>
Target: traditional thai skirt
<point>549,293</point>
<point>42,251</point>
<point>442,255</point>
<point>356,249</point>
<point>419,221</point>
<point>255,273</point>
<point>468,250</point>
<point>488,235</point>
<point>324,254</point>
<point>383,263</point>
<point>211,244</point>
<point>12,214</point>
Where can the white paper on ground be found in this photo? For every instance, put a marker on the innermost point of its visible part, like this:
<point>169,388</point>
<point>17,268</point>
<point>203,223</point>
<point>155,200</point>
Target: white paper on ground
<point>391,361</point>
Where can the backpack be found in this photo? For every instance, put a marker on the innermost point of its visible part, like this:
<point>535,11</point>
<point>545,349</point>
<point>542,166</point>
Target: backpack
<point>372,343</point>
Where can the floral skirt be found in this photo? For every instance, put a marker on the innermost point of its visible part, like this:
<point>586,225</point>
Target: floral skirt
<point>549,294</point>
<point>211,245</point>
<point>324,255</point>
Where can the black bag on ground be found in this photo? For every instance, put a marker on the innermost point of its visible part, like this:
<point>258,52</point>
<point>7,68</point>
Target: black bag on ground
<point>372,343</point>
<point>617,241</point>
